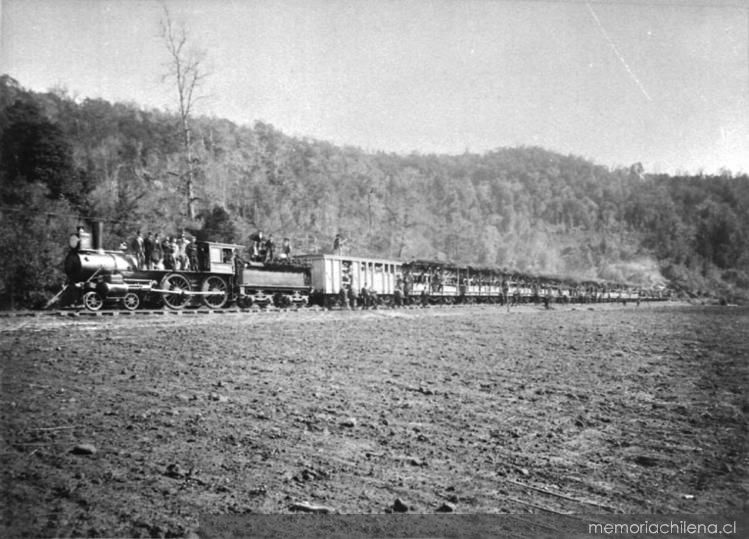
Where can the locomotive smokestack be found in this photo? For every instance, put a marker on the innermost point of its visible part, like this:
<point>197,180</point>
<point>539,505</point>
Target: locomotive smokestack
<point>98,232</point>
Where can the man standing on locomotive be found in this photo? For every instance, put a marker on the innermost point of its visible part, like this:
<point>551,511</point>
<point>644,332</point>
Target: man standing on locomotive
<point>269,248</point>
<point>191,253</point>
<point>181,254</point>
<point>257,246</point>
<point>285,250</point>
<point>167,253</point>
<point>138,250</point>
<point>156,252</point>
<point>148,251</point>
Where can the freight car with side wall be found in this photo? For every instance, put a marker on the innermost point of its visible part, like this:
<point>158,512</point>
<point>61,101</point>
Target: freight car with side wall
<point>336,279</point>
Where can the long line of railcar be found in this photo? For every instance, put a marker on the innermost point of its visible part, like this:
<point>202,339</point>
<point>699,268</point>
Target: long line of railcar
<point>338,279</point>
<point>98,277</point>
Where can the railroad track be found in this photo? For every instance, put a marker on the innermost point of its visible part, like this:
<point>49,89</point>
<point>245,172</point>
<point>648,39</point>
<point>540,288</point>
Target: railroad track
<point>189,312</point>
<point>141,312</point>
<point>82,312</point>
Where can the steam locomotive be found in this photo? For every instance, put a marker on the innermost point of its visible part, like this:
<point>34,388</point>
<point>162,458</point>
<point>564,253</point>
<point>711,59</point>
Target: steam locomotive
<point>113,277</point>
<point>100,277</point>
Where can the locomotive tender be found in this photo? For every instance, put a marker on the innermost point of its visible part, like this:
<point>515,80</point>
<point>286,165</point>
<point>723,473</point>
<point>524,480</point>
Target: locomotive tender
<point>223,278</point>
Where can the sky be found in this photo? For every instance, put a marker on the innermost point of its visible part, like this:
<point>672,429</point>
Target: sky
<point>660,82</point>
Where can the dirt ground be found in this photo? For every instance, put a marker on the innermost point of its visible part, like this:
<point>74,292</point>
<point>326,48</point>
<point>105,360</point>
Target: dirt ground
<point>581,409</point>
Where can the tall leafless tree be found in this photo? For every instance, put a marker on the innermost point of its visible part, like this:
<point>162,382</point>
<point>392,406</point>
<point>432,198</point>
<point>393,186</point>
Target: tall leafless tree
<point>185,69</point>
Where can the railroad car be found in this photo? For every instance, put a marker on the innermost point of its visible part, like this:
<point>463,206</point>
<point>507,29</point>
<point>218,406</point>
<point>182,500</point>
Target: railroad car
<point>446,283</point>
<point>336,279</point>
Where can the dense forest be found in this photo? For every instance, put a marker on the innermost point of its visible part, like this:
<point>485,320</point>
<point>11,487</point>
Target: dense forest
<point>65,161</point>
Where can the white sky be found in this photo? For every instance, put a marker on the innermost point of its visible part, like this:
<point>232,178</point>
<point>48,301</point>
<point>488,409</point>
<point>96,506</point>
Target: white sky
<point>664,82</point>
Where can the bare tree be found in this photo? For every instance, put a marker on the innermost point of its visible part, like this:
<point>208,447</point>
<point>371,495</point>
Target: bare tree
<point>185,69</point>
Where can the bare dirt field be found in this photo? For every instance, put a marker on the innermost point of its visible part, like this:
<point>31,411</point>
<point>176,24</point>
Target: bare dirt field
<point>135,426</point>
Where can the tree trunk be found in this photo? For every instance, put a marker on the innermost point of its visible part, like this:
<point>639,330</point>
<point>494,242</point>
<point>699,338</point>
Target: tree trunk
<point>187,137</point>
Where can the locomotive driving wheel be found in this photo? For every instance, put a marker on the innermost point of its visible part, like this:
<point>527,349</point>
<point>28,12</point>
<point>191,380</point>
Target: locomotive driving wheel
<point>219,292</point>
<point>178,285</point>
<point>92,301</point>
<point>131,301</point>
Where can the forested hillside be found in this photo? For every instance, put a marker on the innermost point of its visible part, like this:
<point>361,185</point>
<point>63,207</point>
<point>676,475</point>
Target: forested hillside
<point>64,161</point>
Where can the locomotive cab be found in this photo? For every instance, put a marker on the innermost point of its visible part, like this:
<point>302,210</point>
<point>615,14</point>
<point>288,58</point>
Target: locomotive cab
<point>217,257</point>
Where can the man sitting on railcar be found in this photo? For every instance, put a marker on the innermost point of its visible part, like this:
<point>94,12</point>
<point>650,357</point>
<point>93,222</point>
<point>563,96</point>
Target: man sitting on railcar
<point>436,281</point>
